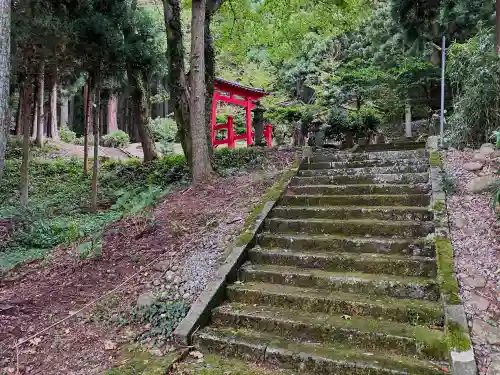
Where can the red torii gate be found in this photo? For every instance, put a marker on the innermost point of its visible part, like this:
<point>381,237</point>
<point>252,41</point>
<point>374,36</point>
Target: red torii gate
<point>244,96</point>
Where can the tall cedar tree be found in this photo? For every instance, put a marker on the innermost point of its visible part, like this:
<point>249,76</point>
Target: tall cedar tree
<point>4,78</point>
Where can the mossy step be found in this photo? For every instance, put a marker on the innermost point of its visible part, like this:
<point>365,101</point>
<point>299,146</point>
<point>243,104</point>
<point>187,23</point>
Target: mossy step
<point>364,171</point>
<point>362,332</point>
<point>342,243</point>
<point>349,282</point>
<point>336,302</point>
<point>395,146</point>
<point>353,212</point>
<point>371,163</point>
<point>398,178</point>
<point>364,227</point>
<point>398,265</point>
<point>416,200</point>
<point>327,155</point>
<point>308,358</point>
<point>359,189</point>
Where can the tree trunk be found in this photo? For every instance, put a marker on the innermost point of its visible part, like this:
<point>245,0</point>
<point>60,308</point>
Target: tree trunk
<point>26,121</point>
<point>95,167</point>
<point>201,168</point>
<point>54,131</point>
<point>498,26</point>
<point>86,120</point>
<point>177,81</point>
<point>64,118</point>
<point>20,109</point>
<point>4,78</point>
<point>112,113</point>
<point>142,117</point>
<point>40,106</point>
<point>71,117</point>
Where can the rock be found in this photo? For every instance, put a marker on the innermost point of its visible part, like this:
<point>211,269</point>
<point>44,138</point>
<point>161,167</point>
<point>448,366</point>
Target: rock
<point>460,222</point>
<point>186,296</point>
<point>175,268</point>
<point>162,266</point>
<point>473,166</point>
<point>485,332</point>
<point>156,282</point>
<point>475,282</point>
<point>481,184</point>
<point>234,220</point>
<point>481,158</point>
<point>169,276</point>
<point>487,149</point>
<point>146,299</point>
<point>494,368</point>
<point>177,280</point>
<point>478,302</point>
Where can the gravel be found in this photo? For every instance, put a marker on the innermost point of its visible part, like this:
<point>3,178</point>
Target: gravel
<point>474,229</point>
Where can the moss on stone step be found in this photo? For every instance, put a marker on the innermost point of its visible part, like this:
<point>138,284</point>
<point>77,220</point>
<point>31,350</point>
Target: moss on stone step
<point>335,302</point>
<point>357,189</point>
<point>310,358</point>
<point>395,213</point>
<point>347,262</point>
<point>356,200</point>
<point>435,159</point>
<point>419,168</point>
<point>400,178</point>
<point>327,155</point>
<point>363,227</point>
<point>370,163</point>
<point>350,282</point>
<point>447,281</point>
<point>339,243</point>
<point>362,332</point>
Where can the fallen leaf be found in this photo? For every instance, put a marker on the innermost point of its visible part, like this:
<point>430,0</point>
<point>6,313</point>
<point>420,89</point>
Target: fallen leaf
<point>67,330</point>
<point>196,354</point>
<point>346,317</point>
<point>109,345</point>
<point>35,341</point>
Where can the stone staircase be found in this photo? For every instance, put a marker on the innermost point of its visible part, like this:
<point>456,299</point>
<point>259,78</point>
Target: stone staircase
<point>341,279</point>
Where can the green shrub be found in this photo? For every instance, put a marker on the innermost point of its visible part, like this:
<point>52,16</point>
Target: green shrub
<point>364,121</point>
<point>226,158</point>
<point>80,141</point>
<point>163,130</point>
<point>14,147</point>
<point>117,138</point>
<point>67,135</point>
<point>337,123</point>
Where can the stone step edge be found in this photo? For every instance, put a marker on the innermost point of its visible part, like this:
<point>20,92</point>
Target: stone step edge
<point>422,341</point>
<point>282,353</point>
<point>400,309</point>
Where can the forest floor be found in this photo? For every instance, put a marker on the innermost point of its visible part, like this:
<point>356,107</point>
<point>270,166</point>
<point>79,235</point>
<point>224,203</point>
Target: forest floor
<point>475,235</point>
<point>169,258</point>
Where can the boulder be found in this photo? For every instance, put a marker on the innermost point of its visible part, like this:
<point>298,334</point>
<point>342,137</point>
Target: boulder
<point>473,166</point>
<point>487,149</point>
<point>480,158</point>
<point>494,368</point>
<point>482,184</point>
<point>146,299</point>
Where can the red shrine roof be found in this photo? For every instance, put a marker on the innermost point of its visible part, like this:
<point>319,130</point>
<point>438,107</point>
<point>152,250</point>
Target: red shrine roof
<point>223,84</point>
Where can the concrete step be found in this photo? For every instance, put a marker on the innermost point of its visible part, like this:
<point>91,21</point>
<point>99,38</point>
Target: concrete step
<point>395,146</point>
<point>359,227</point>
<point>362,332</point>
<point>399,178</point>
<point>309,358</point>
<point>339,243</point>
<point>414,200</point>
<point>325,155</point>
<point>399,265</point>
<point>349,282</point>
<point>370,163</point>
<point>417,168</point>
<point>359,189</point>
<point>352,212</point>
<point>314,300</point>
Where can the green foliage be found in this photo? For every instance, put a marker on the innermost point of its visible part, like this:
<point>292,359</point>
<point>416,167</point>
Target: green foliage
<point>91,249</point>
<point>229,160</point>
<point>164,130</point>
<point>162,316</point>
<point>447,280</point>
<point>14,148</point>
<point>67,135</point>
<point>117,138</point>
<point>474,69</point>
<point>364,121</point>
<point>80,141</point>
<point>135,201</point>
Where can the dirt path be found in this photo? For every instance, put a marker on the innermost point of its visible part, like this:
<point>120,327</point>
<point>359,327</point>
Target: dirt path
<point>35,296</point>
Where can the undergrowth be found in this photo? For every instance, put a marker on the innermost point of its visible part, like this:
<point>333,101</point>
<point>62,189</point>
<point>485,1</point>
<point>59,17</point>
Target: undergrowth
<point>59,199</point>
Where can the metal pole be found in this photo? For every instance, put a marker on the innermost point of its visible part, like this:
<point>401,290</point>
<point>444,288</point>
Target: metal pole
<point>443,66</point>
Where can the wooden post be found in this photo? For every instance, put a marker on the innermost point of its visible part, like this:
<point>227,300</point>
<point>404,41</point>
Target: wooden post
<point>249,121</point>
<point>408,119</point>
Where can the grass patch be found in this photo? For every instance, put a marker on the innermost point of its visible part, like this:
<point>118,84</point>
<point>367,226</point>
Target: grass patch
<point>457,337</point>
<point>439,206</point>
<point>447,281</point>
<point>435,159</point>
<point>59,198</point>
